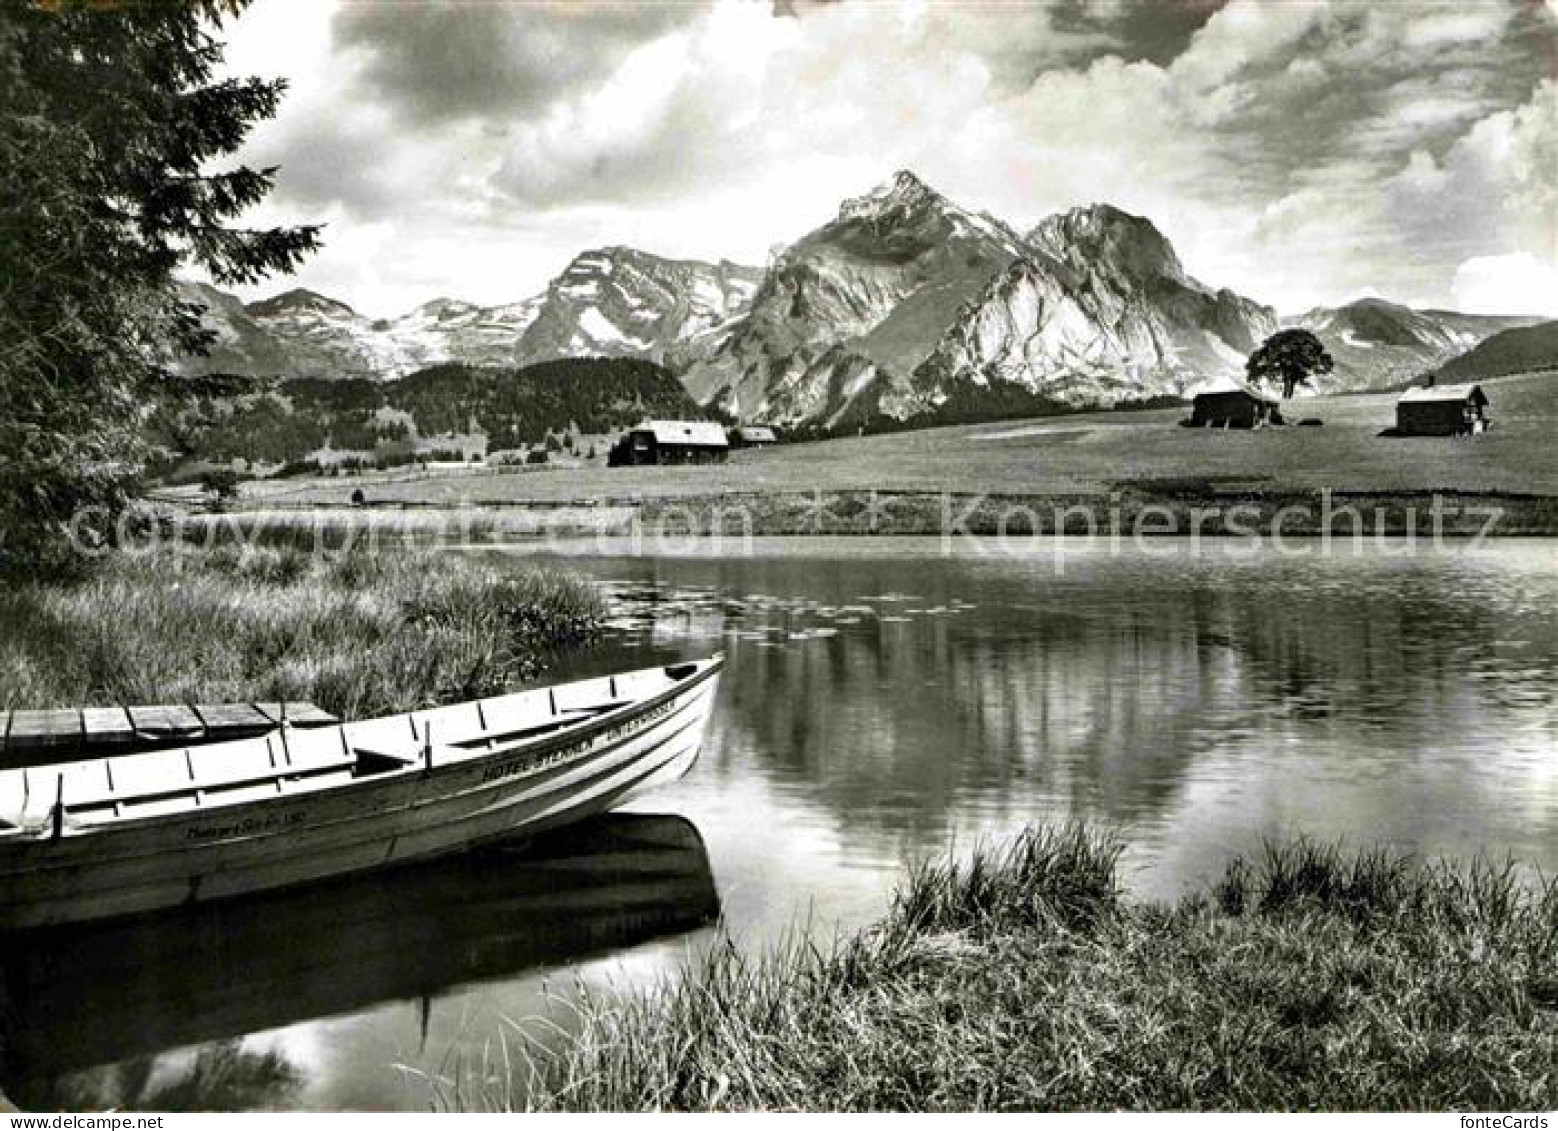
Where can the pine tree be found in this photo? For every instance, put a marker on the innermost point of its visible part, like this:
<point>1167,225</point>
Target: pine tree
<point>110,118</point>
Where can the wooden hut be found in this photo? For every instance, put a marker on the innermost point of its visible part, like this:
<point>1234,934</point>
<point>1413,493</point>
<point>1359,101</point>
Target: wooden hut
<point>1442,410</point>
<point>671,442</point>
<point>1237,407</point>
<point>753,436</point>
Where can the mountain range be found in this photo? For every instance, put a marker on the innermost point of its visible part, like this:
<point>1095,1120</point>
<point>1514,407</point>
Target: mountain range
<point>901,303</point>
<point>1379,344</point>
<point>614,302</point>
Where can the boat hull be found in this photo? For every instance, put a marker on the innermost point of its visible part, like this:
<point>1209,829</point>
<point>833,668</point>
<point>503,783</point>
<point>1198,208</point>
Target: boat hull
<point>303,837</point>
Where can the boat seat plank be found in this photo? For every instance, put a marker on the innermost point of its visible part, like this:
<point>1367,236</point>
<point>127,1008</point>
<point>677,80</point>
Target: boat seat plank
<point>640,685</point>
<point>297,714</point>
<point>307,715</point>
<point>247,759</point>
<point>160,771</point>
<point>31,730</point>
<point>310,751</point>
<point>86,783</point>
<point>166,722</point>
<point>591,695</point>
<point>13,796</point>
<point>459,722</point>
<point>26,794</point>
<point>233,718</point>
<point>524,710</point>
<point>388,738</point>
<point>107,726</point>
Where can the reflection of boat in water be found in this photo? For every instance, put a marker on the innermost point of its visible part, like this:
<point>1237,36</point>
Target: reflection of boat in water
<point>83,996</point>
<point>121,835</point>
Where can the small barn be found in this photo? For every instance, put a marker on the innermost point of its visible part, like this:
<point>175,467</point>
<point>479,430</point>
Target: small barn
<point>671,442</point>
<point>1237,407</point>
<point>753,436</point>
<point>1442,410</point>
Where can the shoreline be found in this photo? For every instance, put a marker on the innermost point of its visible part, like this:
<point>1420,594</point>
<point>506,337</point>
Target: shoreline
<point>1188,510</point>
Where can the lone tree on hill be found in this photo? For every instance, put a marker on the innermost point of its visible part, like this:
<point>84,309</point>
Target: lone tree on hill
<point>1290,357</point>
<point>113,115</point>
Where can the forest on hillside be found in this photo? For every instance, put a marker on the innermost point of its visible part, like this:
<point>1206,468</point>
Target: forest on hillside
<point>289,420</point>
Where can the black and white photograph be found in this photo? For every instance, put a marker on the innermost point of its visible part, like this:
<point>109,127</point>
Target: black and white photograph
<point>778,556</point>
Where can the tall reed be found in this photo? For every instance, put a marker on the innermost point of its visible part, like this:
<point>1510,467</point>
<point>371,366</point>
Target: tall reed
<point>1308,978</point>
<point>357,633</point>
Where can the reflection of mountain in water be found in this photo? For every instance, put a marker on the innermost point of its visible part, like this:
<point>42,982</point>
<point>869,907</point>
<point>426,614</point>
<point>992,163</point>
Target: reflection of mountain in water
<point>1100,689</point>
<point>125,991</point>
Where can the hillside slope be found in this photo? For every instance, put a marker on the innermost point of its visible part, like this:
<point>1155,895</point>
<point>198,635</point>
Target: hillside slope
<point>1525,349</point>
<point>513,407</point>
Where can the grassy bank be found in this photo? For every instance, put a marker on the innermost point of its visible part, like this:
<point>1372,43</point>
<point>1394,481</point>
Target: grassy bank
<point>395,526</point>
<point>1309,978</point>
<point>1183,506</point>
<point>359,634</point>
<point>1179,506</point>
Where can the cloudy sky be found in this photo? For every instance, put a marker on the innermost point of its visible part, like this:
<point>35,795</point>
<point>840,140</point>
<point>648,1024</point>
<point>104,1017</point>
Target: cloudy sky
<point>1299,151</point>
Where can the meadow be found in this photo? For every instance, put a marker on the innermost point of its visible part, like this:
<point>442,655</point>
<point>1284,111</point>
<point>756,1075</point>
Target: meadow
<point>1311,978</point>
<point>1086,454</point>
<point>1016,477</point>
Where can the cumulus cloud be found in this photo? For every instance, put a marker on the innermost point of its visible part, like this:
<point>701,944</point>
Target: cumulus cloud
<point>1505,284</point>
<point>444,59</point>
<point>1300,152</point>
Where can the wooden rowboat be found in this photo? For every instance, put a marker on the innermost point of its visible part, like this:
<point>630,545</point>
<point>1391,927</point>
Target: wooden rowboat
<point>133,833</point>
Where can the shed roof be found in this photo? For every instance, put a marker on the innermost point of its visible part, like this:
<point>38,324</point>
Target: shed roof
<point>695,433</point>
<point>1236,387</point>
<point>1455,393</point>
<point>757,434</point>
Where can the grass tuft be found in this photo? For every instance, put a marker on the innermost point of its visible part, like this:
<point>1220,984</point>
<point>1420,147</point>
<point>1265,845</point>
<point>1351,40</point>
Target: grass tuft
<point>1062,875</point>
<point>359,634</point>
<point>1311,978</point>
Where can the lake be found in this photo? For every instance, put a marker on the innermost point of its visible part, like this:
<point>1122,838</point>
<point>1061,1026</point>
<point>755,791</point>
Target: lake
<point>883,701</point>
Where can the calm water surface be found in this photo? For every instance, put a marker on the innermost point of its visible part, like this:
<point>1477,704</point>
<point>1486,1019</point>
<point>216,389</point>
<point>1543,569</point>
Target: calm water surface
<point>882,702</point>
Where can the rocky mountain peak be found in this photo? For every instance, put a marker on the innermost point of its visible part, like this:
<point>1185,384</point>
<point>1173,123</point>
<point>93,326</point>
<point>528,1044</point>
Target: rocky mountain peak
<point>443,309</point>
<point>596,261</point>
<point>300,300</point>
<point>1101,236</point>
<point>903,193</point>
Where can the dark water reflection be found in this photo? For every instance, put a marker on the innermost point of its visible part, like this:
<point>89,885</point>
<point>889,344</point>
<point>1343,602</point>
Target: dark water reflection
<point>896,703</point>
<point>152,1012</point>
<point>883,702</point>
